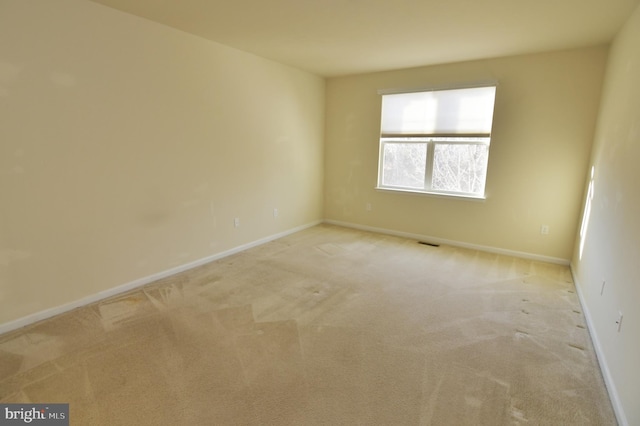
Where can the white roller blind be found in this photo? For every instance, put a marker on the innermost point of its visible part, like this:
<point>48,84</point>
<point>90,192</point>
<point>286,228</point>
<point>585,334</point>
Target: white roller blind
<point>457,112</point>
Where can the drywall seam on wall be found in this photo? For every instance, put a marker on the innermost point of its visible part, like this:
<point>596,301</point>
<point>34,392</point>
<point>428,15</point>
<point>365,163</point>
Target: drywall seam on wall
<point>602,361</point>
<point>48,313</point>
<point>496,250</point>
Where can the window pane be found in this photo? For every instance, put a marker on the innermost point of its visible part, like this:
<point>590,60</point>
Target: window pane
<point>460,168</point>
<point>404,164</point>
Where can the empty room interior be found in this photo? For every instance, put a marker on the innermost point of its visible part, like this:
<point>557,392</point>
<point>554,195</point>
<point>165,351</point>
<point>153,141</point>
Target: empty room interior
<point>321,212</point>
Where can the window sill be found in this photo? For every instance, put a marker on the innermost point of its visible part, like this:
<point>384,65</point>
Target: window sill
<point>449,196</point>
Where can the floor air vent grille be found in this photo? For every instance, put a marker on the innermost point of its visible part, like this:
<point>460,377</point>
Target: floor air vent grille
<point>424,243</point>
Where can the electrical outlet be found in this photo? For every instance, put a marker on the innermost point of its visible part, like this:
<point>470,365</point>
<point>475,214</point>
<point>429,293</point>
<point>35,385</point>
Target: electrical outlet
<point>368,207</point>
<point>275,212</point>
<point>236,222</point>
<point>544,229</point>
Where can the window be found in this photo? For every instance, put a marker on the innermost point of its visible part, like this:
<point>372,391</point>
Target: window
<point>436,141</point>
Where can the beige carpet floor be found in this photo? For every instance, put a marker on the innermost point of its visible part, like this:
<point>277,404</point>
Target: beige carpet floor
<point>328,326</point>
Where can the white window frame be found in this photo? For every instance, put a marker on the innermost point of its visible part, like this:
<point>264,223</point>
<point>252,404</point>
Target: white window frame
<point>432,140</point>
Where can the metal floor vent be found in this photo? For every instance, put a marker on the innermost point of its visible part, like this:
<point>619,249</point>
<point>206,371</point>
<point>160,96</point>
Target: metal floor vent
<point>424,243</point>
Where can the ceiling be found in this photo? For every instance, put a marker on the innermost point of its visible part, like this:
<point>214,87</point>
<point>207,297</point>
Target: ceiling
<point>339,37</point>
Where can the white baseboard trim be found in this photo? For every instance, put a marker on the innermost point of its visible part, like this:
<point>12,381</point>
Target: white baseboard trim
<point>51,312</point>
<point>602,361</point>
<point>435,240</point>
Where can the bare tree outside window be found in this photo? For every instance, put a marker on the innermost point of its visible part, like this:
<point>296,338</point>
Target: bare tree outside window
<point>460,168</point>
<point>404,164</point>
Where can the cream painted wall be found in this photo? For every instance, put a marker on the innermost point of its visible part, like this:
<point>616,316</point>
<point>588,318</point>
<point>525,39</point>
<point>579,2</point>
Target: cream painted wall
<point>127,148</point>
<point>611,248</point>
<point>546,106</point>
